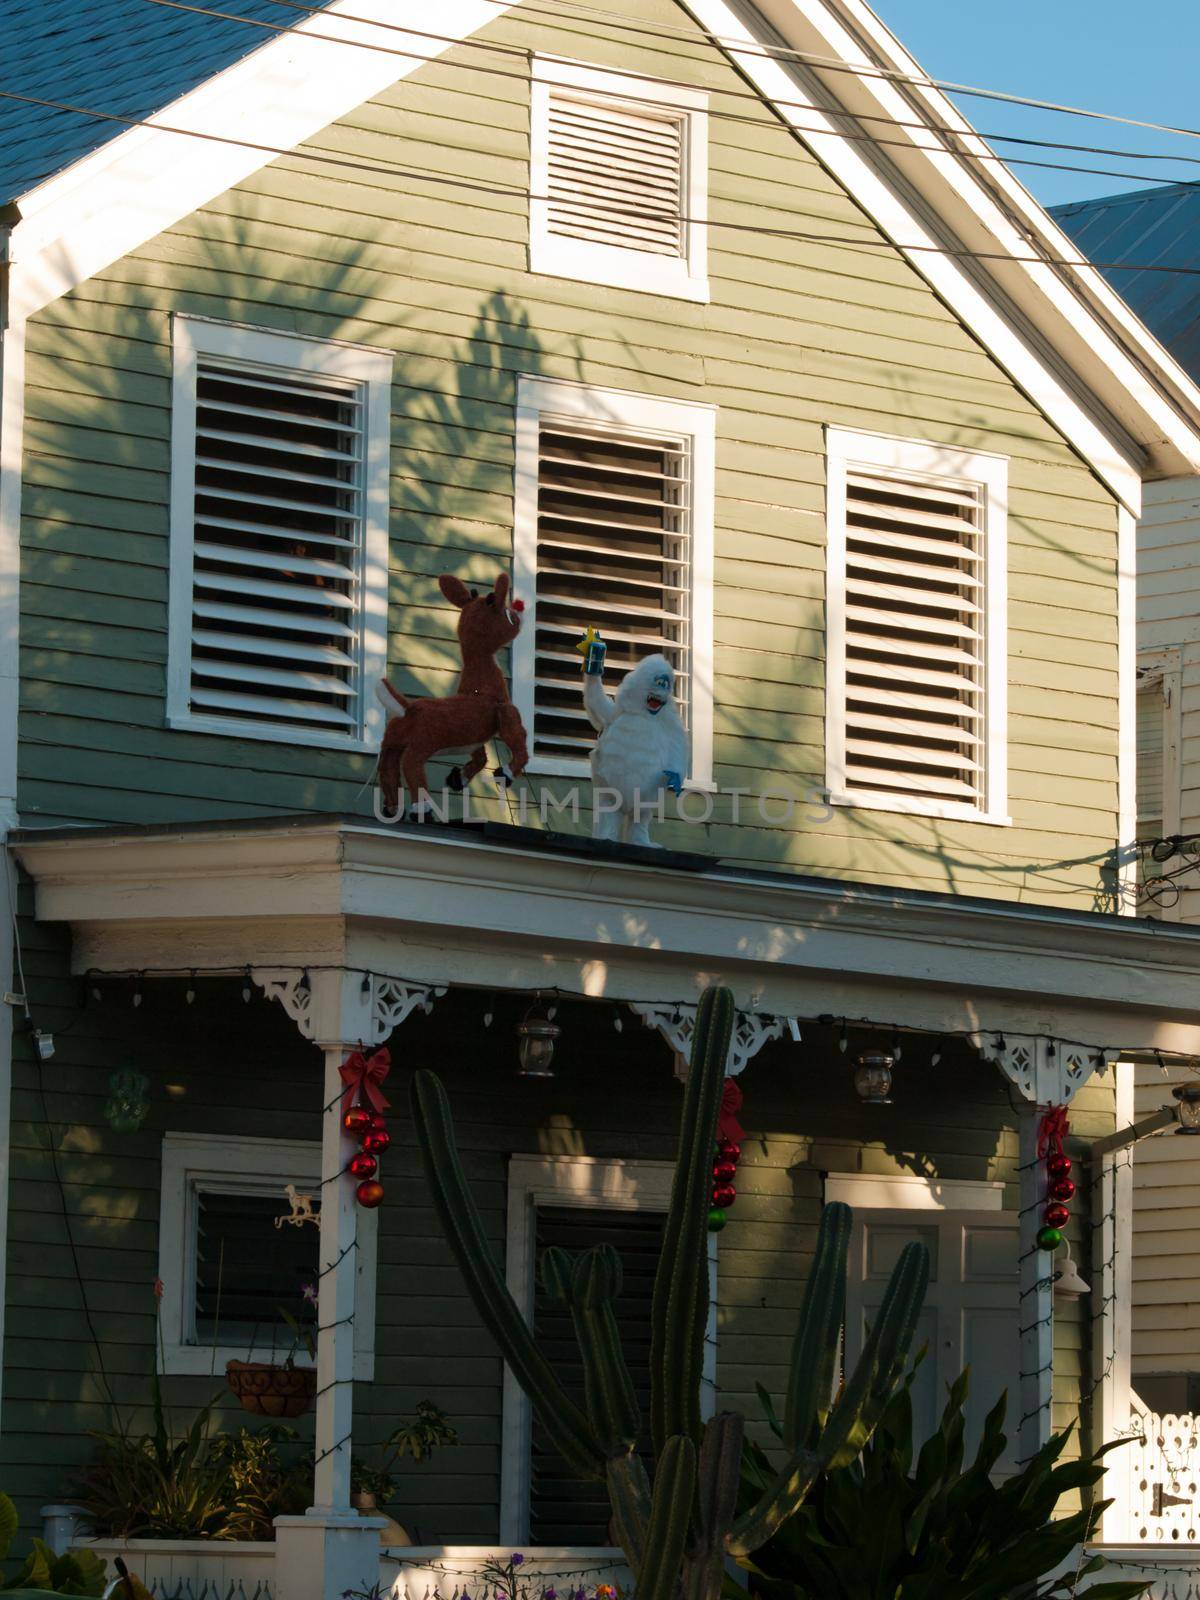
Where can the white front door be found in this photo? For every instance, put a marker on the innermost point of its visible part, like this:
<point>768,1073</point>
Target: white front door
<point>971,1314</point>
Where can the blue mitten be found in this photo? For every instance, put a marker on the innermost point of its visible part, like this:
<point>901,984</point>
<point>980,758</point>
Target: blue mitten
<point>674,782</point>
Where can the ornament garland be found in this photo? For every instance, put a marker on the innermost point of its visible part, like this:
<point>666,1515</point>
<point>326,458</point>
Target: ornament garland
<point>727,1154</point>
<point>363,1105</point>
<point>1059,1184</point>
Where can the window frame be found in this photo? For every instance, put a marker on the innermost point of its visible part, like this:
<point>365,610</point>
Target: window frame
<point>256,348</point>
<point>541,400</point>
<point>846,448</point>
<point>614,1184</point>
<point>681,277</point>
<point>240,1164</point>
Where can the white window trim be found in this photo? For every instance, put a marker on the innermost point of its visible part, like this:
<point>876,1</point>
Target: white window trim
<point>541,400</point>
<point>202,336</point>
<point>846,447</point>
<point>683,278</point>
<point>572,1181</point>
<point>902,1191</point>
<point>241,1165</point>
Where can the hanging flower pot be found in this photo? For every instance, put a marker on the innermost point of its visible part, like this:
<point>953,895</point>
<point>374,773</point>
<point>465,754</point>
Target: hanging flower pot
<point>267,1390</point>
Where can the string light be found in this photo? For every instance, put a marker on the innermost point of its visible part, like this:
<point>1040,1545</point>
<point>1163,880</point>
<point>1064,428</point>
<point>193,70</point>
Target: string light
<point>246,983</point>
<point>190,994</point>
<point>137,991</point>
<point>936,1055</point>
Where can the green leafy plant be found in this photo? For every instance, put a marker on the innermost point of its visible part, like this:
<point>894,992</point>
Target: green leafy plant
<point>880,1528</point>
<point>681,1524</point>
<point>79,1572</point>
<point>303,1337</point>
<point>198,1486</point>
<point>429,1430</point>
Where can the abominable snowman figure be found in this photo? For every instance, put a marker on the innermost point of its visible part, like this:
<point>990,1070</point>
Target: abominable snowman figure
<point>642,748</point>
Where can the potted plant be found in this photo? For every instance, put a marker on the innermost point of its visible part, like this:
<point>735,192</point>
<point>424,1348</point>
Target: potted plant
<point>271,1389</point>
<point>371,1487</point>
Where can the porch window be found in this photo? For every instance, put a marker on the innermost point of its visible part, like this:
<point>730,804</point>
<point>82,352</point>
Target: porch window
<point>613,527</point>
<point>916,627</point>
<point>227,1271</point>
<point>619,177</point>
<point>575,1202</point>
<point>279,508</point>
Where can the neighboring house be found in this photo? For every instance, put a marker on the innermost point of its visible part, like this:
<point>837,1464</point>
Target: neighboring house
<point>625,301</point>
<point>1149,228</point>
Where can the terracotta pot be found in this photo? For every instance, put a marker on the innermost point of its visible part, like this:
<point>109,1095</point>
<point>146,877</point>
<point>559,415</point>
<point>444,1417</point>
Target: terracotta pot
<point>272,1391</point>
<point>363,1500</point>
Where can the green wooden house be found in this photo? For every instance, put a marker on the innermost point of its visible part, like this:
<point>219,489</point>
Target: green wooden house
<point>719,329</point>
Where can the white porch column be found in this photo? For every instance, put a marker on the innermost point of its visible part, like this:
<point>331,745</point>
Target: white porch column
<point>335,1302</point>
<point>1036,1389</point>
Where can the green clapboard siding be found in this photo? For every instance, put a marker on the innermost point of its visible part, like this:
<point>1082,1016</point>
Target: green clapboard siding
<point>798,334</point>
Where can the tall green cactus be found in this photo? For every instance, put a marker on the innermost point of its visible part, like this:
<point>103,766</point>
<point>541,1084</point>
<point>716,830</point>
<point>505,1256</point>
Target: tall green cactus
<point>678,1530</point>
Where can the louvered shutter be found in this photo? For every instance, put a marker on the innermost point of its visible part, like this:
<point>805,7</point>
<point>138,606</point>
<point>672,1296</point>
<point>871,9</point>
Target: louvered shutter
<point>278,548</point>
<point>915,610</point>
<point>614,550</point>
<point>564,1509</point>
<point>616,174</point>
<point>1151,743</point>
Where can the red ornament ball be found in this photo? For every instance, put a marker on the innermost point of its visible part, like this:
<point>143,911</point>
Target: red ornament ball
<point>378,1122</point>
<point>716,1220</point>
<point>724,1195</point>
<point>1062,1189</point>
<point>362,1165</point>
<point>729,1150</point>
<point>1058,1166</point>
<point>370,1194</point>
<point>376,1141</point>
<point>356,1119</point>
<point>723,1171</point>
<point>1057,1216</point>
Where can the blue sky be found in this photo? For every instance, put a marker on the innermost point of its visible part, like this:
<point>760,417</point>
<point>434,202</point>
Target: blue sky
<point>1106,55</point>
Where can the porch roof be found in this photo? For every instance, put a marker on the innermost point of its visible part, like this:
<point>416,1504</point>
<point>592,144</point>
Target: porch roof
<point>452,905</point>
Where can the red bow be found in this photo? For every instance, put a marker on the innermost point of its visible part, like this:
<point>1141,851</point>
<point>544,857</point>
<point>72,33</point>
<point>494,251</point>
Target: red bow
<point>362,1075</point>
<point>1052,1131</point>
<point>728,1126</point>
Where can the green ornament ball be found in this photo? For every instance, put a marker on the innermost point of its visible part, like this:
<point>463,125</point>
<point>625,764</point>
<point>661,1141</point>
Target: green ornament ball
<point>716,1220</point>
<point>1049,1238</point>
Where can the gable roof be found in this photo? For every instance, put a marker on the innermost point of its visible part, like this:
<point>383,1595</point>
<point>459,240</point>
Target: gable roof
<point>965,224</point>
<point>1154,227</point>
<point>120,56</point>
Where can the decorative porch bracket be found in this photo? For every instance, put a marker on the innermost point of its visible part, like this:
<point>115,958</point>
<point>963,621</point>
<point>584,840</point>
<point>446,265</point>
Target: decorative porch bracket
<point>677,1023</point>
<point>1045,1072</point>
<point>338,1009</point>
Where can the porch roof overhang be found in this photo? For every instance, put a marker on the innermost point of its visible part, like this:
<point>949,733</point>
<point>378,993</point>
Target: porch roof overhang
<point>458,906</point>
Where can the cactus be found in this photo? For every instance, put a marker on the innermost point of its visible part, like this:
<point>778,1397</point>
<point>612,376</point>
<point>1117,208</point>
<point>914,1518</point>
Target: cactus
<point>678,1530</point>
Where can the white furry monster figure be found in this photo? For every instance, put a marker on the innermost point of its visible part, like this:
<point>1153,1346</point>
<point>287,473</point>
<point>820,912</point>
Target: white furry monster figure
<point>642,748</point>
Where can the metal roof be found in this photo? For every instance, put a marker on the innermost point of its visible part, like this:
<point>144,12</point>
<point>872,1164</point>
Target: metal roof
<point>1154,227</point>
<point>129,57</point>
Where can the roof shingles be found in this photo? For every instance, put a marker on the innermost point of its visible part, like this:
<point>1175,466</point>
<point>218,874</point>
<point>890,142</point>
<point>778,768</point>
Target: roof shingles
<point>128,57</point>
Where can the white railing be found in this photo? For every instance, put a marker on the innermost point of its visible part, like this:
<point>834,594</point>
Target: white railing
<point>444,1572</point>
<point>1163,1474</point>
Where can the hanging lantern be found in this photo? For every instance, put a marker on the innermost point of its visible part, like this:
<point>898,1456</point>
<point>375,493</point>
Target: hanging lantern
<point>873,1078</point>
<point>1188,1096</point>
<point>362,1165</point>
<point>536,1036</point>
<point>1068,1285</point>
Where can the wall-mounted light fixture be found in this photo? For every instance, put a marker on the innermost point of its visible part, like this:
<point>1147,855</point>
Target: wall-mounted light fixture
<point>536,1038</point>
<point>873,1078</point>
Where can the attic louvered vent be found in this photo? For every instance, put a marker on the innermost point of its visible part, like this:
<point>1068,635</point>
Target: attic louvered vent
<point>614,550</point>
<point>279,534</point>
<point>619,177</point>
<point>916,609</point>
<point>1151,753</point>
<point>616,174</point>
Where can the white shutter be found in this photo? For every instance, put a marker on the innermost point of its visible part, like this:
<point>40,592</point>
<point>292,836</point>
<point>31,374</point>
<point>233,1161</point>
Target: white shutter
<point>915,607</point>
<point>278,547</point>
<point>1151,753</point>
<point>613,550</point>
<point>616,174</point>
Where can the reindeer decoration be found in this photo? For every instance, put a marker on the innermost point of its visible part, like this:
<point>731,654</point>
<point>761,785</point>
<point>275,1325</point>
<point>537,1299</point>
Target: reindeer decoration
<point>462,723</point>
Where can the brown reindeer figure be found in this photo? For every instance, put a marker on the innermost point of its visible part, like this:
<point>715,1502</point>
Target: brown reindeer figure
<point>461,723</point>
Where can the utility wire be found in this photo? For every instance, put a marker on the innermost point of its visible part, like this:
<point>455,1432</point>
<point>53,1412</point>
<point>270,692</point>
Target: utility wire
<point>278,28</point>
<point>513,192</point>
<point>576,13</point>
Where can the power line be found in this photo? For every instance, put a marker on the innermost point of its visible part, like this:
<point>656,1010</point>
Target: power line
<point>277,28</point>
<point>636,213</point>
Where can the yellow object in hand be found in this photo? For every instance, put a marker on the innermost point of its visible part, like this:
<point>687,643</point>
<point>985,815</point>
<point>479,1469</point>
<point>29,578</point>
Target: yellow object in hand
<point>591,637</point>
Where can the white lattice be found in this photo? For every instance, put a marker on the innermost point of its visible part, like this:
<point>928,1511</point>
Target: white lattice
<point>393,1001</point>
<point>677,1024</point>
<point>1164,1481</point>
<point>295,995</point>
<point>1044,1071</point>
<point>352,1007</point>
